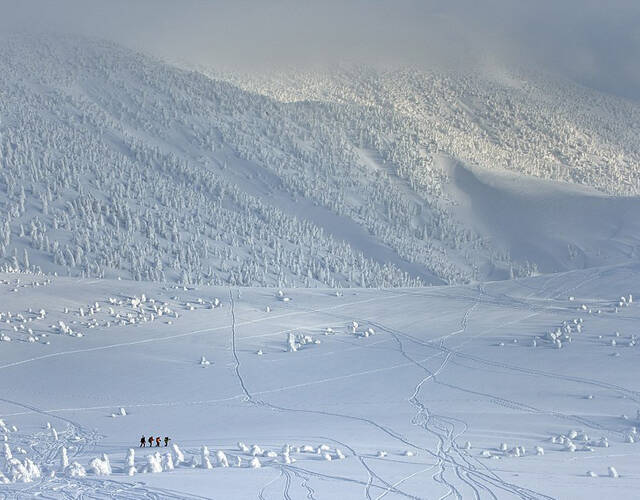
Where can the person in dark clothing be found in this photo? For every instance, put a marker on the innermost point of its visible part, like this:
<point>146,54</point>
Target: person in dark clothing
<point>143,442</point>
<point>158,442</point>
<point>150,441</point>
<point>166,441</point>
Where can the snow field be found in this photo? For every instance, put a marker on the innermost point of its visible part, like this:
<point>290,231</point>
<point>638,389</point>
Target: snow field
<point>427,405</point>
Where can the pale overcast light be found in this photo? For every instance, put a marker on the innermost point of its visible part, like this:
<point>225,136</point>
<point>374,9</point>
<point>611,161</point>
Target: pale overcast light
<point>592,42</point>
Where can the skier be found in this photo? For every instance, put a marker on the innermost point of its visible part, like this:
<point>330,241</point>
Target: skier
<point>143,442</point>
<point>150,441</point>
<point>166,441</point>
<point>158,442</point>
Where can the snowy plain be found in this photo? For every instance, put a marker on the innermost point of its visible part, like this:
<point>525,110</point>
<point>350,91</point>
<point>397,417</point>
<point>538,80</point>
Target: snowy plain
<point>511,389</point>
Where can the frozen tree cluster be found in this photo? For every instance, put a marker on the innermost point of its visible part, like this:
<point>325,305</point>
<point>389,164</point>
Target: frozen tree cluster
<point>76,203</point>
<point>86,191</point>
<point>296,341</point>
<point>529,122</point>
<point>37,325</point>
<point>54,454</point>
<point>129,167</point>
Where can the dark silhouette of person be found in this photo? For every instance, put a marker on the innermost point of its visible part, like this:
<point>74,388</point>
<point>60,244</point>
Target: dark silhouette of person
<point>150,441</point>
<point>166,441</point>
<point>143,442</point>
<point>158,442</point>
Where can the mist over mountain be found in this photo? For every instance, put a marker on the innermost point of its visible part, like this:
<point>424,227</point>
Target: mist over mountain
<point>577,39</point>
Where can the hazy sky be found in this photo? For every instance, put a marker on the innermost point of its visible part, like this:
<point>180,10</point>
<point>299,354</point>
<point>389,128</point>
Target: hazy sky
<point>596,42</point>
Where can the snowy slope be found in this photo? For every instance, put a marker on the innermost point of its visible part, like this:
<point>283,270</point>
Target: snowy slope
<point>115,164</point>
<point>555,225</point>
<point>521,120</point>
<point>439,367</point>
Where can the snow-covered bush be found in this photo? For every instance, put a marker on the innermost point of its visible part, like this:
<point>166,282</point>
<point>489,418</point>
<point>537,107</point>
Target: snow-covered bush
<point>130,462</point>
<point>292,345</point>
<point>221,458</point>
<point>205,462</point>
<point>76,470</point>
<point>154,463</point>
<point>178,453</point>
<point>24,471</point>
<point>167,461</point>
<point>64,459</point>
<point>100,466</point>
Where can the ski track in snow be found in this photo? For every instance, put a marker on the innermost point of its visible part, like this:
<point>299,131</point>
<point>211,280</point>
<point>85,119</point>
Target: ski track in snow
<point>459,474</point>
<point>443,430</point>
<point>450,353</point>
<point>251,399</point>
<point>187,334</point>
<point>442,454</point>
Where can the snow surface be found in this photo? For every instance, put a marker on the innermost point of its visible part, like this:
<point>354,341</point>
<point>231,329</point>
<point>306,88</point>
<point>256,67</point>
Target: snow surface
<point>556,225</point>
<point>421,393</point>
<point>200,187</point>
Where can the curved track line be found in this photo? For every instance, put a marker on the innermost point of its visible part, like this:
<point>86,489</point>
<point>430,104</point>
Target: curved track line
<point>300,312</point>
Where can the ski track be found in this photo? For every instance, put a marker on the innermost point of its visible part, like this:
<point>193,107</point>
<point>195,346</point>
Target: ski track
<point>470,472</point>
<point>439,424</point>
<point>442,454</point>
<point>250,399</point>
<point>439,476</point>
<point>191,333</point>
<point>632,395</point>
<point>305,484</point>
<point>442,429</point>
<point>287,484</point>
<point>449,353</point>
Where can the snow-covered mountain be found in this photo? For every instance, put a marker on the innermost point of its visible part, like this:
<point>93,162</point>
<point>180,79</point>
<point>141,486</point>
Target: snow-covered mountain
<point>175,197</point>
<point>119,165</point>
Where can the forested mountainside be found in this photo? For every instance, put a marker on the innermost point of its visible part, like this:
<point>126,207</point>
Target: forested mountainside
<point>523,121</point>
<point>120,165</point>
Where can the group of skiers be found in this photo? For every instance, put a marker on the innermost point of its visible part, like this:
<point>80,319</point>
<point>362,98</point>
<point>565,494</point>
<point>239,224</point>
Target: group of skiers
<point>143,441</point>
